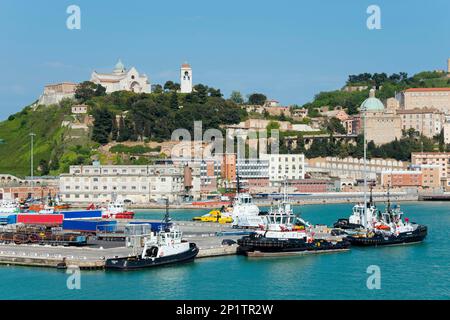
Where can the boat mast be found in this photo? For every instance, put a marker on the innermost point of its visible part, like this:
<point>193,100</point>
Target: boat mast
<point>238,184</point>
<point>388,199</point>
<point>166,216</point>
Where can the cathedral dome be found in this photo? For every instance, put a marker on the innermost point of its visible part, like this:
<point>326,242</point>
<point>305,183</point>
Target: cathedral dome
<point>119,68</point>
<point>372,104</point>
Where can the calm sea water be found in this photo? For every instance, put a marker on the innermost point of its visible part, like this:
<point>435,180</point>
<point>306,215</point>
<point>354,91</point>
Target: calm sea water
<point>420,271</point>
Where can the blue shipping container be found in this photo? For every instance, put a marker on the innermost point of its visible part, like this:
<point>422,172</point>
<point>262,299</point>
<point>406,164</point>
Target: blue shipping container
<point>155,226</point>
<point>90,225</point>
<point>12,219</point>
<point>8,219</point>
<point>82,214</point>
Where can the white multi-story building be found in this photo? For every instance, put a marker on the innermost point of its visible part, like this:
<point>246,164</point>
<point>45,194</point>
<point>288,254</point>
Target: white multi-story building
<point>138,183</point>
<point>122,79</point>
<point>285,166</point>
<point>253,168</point>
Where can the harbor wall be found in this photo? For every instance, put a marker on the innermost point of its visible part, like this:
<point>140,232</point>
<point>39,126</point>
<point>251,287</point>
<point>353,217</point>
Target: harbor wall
<point>334,198</point>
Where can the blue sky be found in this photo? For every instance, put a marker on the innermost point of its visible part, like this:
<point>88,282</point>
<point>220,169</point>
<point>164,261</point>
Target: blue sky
<point>289,50</point>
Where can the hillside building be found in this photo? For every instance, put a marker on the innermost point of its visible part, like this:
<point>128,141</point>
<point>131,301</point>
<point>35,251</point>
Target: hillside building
<point>419,98</point>
<point>122,79</point>
<point>54,93</point>
<point>382,125</point>
<point>428,121</point>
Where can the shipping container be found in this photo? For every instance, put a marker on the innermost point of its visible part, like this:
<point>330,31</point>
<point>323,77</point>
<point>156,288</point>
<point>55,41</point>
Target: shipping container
<point>82,214</point>
<point>8,218</point>
<point>12,219</point>
<point>40,219</point>
<point>90,225</point>
<point>155,226</point>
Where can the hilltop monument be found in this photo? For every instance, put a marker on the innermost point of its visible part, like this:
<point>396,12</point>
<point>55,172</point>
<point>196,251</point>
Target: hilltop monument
<point>122,79</point>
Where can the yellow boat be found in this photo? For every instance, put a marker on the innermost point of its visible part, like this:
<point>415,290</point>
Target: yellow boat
<point>214,216</point>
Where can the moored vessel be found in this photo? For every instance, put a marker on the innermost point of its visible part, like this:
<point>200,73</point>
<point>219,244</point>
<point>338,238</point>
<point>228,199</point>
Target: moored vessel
<point>284,233</point>
<point>153,249</point>
<point>390,229</point>
<point>117,210</point>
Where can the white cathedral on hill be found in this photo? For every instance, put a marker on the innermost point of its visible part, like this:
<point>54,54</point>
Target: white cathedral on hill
<point>119,79</point>
<point>122,79</point>
<point>131,80</point>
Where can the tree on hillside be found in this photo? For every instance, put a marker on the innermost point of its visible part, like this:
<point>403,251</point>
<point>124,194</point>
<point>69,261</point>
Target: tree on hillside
<point>87,90</point>
<point>124,130</point>
<point>114,129</point>
<point>257,98</point>
<point>334,125</point>
<point>102,125</point>
<point>174,100</point>
<point>171,86</point>
<point>43,167</point>
<point>157,88</point>
<point>201,93</point>
<point>215,93</point>
<point>273,125</point>
<point>236,97</point>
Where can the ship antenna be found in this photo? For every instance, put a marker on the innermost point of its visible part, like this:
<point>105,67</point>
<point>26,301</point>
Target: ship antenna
<point>388,199</point>
<point>166,216</point>
<point>238,184</point>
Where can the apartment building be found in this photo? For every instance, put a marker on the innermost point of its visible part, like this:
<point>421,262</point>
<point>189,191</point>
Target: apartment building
<point>427,121</point>
<point>441,160</point>
<point>438,98</point>
<point>138,183</point>
<point>282,166</point>
<point>399,179</point>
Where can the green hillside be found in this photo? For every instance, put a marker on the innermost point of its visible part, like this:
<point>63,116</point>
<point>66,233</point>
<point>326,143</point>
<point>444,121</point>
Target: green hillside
<point>387,86</point>
<point>54,149</point>
<point>118,117</point>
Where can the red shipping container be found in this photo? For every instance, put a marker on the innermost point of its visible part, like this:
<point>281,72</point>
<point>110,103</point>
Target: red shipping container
<point>45,219</point>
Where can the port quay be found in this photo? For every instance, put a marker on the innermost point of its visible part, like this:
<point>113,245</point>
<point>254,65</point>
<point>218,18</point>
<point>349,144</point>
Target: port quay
<point>208,237</point>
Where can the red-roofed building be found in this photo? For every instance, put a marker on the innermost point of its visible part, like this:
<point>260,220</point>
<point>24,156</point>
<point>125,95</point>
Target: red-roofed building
<point>418,98</point>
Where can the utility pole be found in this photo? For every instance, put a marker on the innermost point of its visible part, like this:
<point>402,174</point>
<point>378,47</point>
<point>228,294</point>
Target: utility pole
<point>32,135</point>
<point>365,163</point>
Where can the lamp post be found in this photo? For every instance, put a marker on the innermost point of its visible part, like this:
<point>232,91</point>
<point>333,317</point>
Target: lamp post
<point>32,135</point>
<point>365,162</point>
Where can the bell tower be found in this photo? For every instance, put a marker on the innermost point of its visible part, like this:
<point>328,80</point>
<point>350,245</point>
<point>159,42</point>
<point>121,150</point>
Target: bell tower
<point>186,78</point>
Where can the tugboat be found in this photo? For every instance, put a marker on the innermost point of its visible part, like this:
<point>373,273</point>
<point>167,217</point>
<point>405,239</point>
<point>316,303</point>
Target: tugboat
<point>9,207</point>
<point>285,234</point>
<point>245,213</point>
<point>160,248</point>
<point>390,229</point>
<point>357,219</point>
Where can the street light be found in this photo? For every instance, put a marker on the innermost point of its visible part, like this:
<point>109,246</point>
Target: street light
<point>32,135</point>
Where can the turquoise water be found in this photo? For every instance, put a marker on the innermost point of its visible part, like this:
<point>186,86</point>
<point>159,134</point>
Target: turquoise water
<point>420,271</point>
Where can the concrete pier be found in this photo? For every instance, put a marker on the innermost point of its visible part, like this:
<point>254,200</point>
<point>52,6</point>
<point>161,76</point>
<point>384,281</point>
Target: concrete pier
<point>94,256</point>
<point>207,236</point>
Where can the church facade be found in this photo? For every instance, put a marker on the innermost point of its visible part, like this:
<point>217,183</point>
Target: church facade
<point>382,125</point>
<point>122,79</point>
